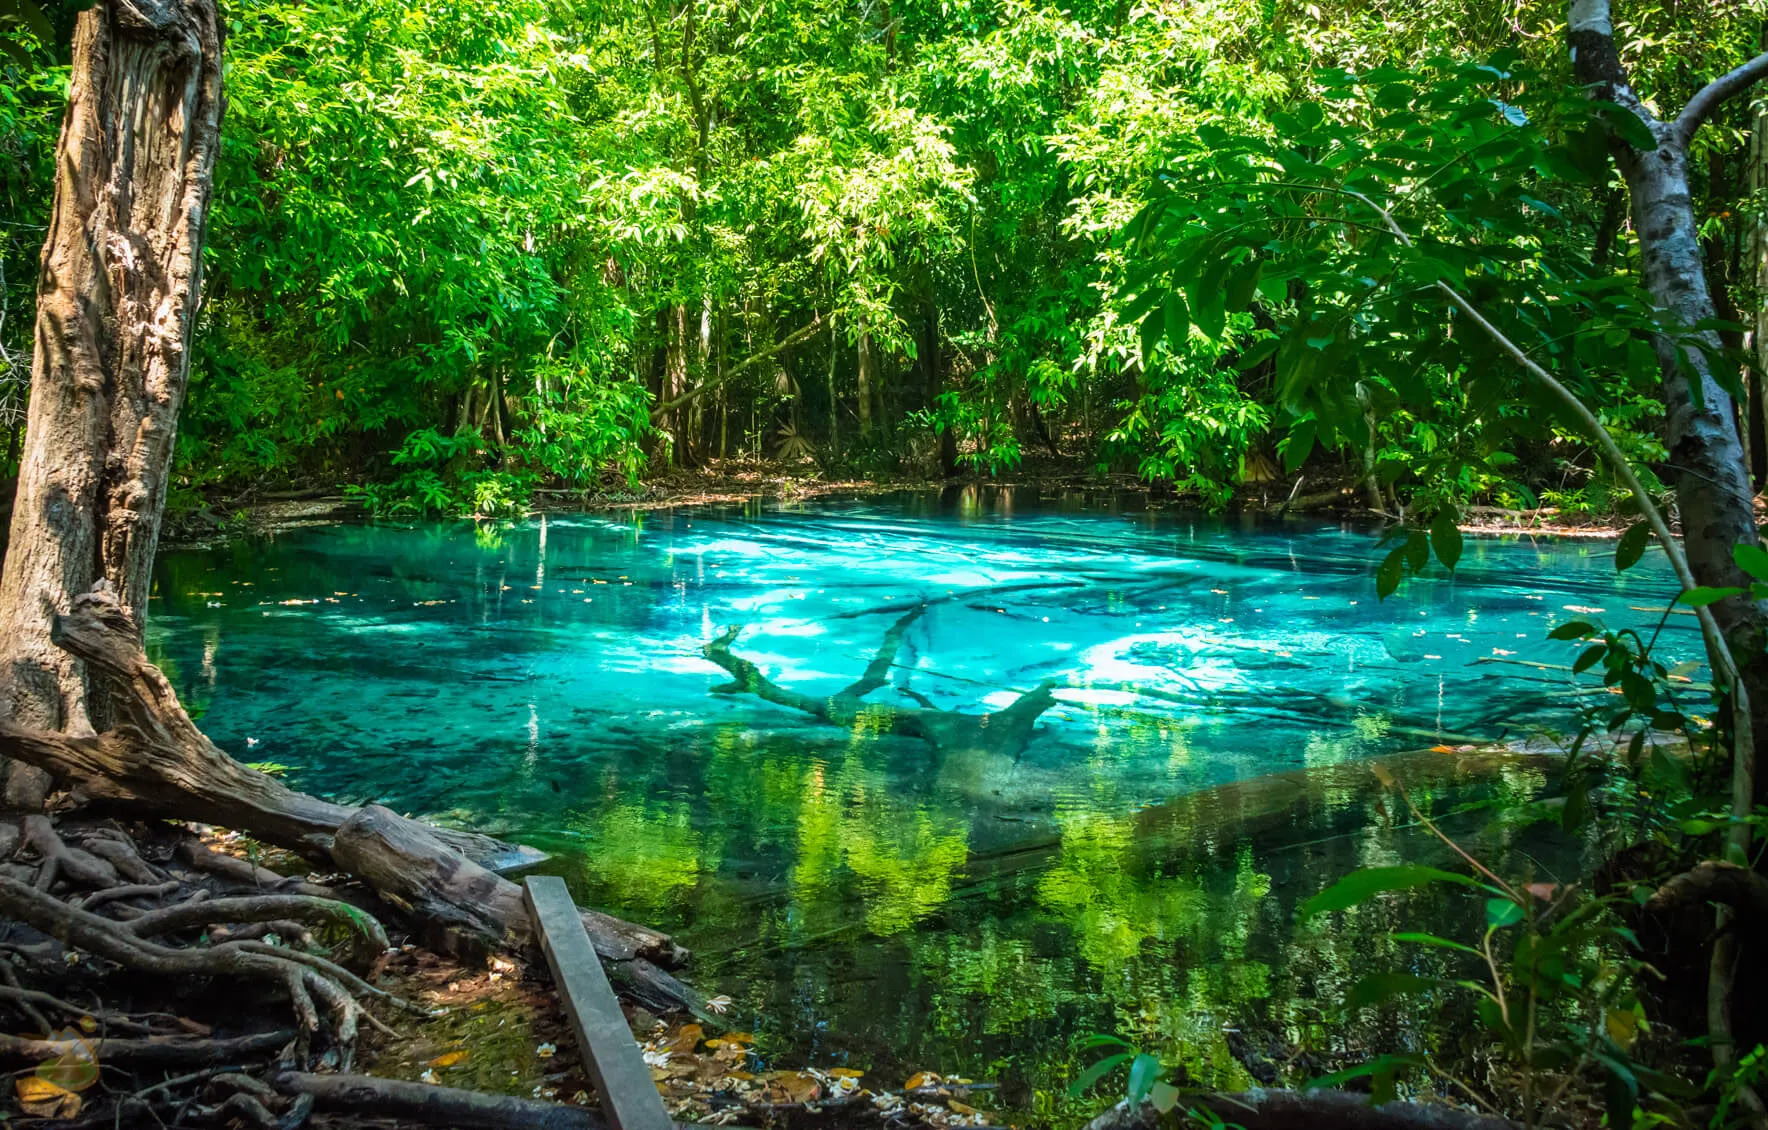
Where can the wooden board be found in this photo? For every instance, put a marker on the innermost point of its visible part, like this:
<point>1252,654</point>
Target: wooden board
<point>610,1054</point>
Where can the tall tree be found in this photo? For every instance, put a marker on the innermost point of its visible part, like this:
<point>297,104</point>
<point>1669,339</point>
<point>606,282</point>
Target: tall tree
<point>116,304</point>
<point>1711,473</point>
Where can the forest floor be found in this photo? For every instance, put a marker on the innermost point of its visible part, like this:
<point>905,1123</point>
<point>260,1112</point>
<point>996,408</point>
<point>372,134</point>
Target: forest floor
<point>493,1028</point>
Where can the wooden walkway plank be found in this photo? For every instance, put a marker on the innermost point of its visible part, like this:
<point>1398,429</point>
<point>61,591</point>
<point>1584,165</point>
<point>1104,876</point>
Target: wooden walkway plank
<point>610,1054</point>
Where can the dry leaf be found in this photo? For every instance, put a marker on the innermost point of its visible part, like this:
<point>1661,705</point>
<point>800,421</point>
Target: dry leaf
<point>793,1086</point>
<point>61,1105</point>
<point>845,1072</point>
<point>921,1079</point>
<point>687,1038</point>
<point>448,1059</point>
<point>959,1108</point>
<point>1543,891</point>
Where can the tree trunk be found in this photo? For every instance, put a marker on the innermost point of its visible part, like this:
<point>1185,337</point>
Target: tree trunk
<point>868,377</point>
<point>1713,489</point>
<point>675,384</point>
<point>120,282</point>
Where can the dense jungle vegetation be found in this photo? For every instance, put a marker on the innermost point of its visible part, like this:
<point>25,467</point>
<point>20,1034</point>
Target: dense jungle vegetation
<point>461,253</point>
<point>454,259</point>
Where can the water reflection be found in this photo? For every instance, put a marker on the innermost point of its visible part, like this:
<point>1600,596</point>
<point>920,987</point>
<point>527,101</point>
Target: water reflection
<point>1135,868</point>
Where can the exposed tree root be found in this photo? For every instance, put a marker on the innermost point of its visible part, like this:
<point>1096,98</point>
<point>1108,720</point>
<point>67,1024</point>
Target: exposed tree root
<point>297,973</point>
<point>1006,731</point>
<point>152,1051</point>
<point>437,1106</point>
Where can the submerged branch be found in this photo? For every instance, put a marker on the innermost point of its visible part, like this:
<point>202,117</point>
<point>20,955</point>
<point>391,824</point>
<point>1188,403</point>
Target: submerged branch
<point>1005,731</point>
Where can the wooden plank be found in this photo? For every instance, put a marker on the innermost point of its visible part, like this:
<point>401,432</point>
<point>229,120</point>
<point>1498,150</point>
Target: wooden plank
<point>610,1054</point>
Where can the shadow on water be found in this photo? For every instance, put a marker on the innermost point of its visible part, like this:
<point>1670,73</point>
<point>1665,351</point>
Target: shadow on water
<point>868,898</point>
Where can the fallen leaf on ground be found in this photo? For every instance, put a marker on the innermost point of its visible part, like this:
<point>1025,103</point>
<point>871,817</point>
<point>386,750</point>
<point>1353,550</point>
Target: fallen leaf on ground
<point>42,1099</point>
<point>687,1038</point>
<point>792,1087</point>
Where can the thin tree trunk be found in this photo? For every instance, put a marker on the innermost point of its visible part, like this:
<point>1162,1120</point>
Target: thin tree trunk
<point>117,300</point>
<point>675,382</point>
<point>1757,414</point>
<point>834,400</point>
<point>868,377</point>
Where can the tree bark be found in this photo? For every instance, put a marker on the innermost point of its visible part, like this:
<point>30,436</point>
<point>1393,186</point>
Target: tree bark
<point>116,303</point>
<point>868,378</point>
<point>1713,490</point>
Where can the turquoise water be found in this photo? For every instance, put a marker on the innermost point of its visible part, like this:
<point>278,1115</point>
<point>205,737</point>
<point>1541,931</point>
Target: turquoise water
<point>868,896</point>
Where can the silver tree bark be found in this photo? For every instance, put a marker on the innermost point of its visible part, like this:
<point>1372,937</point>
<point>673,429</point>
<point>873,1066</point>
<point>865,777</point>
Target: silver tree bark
<point>116,304</point>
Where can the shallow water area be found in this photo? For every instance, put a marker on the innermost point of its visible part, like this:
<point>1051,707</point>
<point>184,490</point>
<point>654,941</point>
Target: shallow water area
<point>878,900</point>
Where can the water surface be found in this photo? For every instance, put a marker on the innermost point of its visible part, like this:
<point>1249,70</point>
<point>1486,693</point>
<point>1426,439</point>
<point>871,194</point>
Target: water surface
<point>867,898</point>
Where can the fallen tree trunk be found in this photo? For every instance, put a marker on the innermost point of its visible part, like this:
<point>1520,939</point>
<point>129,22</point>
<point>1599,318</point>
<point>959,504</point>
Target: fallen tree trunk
<point>155,761</point>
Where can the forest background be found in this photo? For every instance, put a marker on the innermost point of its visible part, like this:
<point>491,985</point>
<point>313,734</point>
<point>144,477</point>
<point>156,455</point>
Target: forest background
<point>461,253</point>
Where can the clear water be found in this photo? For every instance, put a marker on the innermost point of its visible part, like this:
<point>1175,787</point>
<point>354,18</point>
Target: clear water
<point>864,897</point>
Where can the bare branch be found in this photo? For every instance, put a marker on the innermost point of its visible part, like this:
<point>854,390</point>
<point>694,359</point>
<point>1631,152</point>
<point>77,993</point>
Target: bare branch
<point>1713,94</point>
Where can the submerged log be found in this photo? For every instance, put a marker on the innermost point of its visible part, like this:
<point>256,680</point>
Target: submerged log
<point>1005,731</point>
<point>155,761</point>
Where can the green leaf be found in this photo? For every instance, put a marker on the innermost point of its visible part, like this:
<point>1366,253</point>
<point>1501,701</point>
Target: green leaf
<point>1752,559</point>
<point>1178,321</point>
<point>1243,284</point>
<point>1381,1065</point>
<point>1704,595</point>
<point>1632,545</point>
<point>1572,630</point>
<point>1299,444</point>
<point>1153,326</point>
<point>1590,657</point>
<point>1433,940</point>
<point>1098,1071</point>
<point>1387,574</point>
<point>1144,1073</point>
<point>1359,886</point>
<point>1501,912</point>
<point>1445,537</point>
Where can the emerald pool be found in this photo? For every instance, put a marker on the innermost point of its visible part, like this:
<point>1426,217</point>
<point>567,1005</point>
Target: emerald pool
<point>866,898</point>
